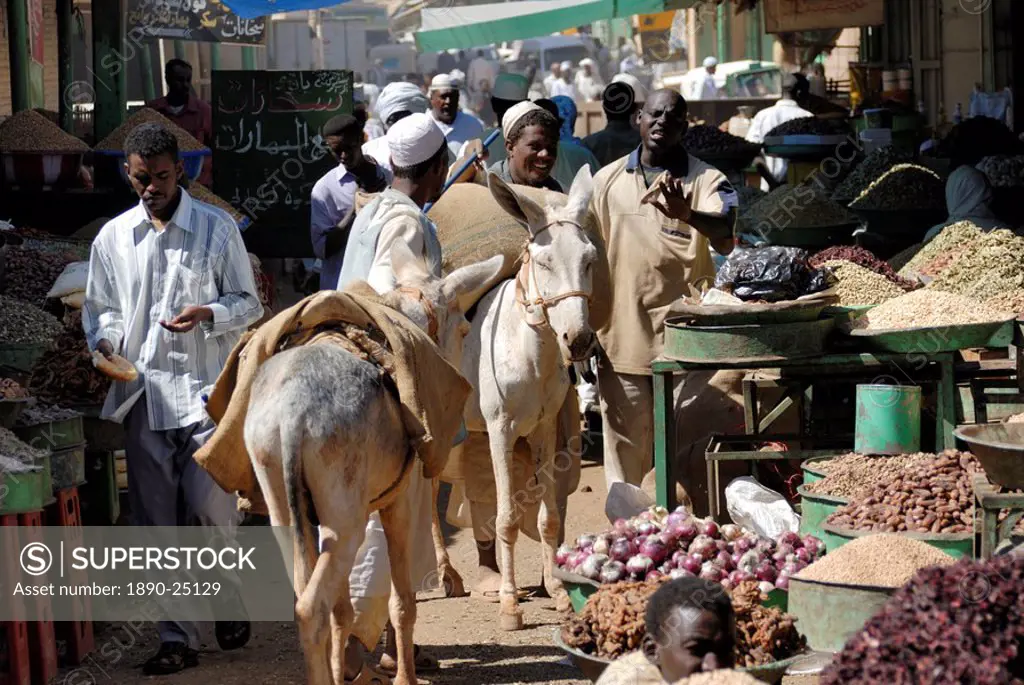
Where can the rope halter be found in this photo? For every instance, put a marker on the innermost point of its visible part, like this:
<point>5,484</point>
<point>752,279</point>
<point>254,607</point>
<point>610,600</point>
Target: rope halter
<point>522,290</point>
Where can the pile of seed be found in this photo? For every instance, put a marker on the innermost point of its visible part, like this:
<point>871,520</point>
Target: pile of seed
<point>13,448</point>
<point>951,240</point>
<point>883,560</point>
<point>31,271</point>
<point>44,413</point>
<point>988,266</point>
<point>809,126</point>
<point>856,285</point>
<point>874,166</point>
<point>711,140</point>
<point>31,132</point>
<point>1003,171</point>
<point>720,677</point>
<point>929,496</point>
<point>795,206</point>
<point>748,196</point>
<point>1010,301</point>
<point>904,187</point>
<point>115,141</point>
<point>927,309</point>
<point>23,323</point>
<point>864,258</point>
<point>859,475</point>
<point>950,625</point>
<point>203,194</point>
<point>10,390</point>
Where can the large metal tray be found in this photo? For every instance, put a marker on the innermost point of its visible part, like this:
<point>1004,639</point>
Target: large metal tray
<point>790,311</point>
<point>754,343</point>
<point>937,338</point>
<point>1000,449</point>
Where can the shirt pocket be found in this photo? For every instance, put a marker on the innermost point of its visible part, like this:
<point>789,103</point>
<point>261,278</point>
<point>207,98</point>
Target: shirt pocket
<point>188,285</point>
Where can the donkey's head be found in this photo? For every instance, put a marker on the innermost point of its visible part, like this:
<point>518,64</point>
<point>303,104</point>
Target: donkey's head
<point>433,303</point>
<point>555,283</point>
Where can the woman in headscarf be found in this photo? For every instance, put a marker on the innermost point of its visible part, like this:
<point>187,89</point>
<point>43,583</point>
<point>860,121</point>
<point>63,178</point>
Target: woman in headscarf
<point>969,197</point>
<point>567,112</point>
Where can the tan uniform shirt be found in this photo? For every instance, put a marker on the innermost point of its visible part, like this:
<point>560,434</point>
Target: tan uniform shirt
<point>653,259</point>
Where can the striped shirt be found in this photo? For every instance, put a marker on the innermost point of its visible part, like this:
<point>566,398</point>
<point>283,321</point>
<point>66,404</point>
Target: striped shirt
<point>138,277</point>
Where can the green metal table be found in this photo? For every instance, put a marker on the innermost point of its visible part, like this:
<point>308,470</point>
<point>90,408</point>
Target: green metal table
<point>988,503</point>
<point>664,414</point>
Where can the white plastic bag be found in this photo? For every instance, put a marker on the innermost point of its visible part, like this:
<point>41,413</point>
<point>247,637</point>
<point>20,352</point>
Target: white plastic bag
<point>626,501</point>
<point>72,279</point>
<point>760,509</point>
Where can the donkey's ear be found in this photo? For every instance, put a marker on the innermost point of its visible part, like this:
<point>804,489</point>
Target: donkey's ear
<point>407,267</point>
<point>521,208</point>
<point>580,193</point>
<point>469,279</point>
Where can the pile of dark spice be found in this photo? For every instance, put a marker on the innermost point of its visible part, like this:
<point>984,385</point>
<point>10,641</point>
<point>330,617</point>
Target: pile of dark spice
<point>809,126</point>
<point>874,165</point>
<point>864,258</point>
<point>956,624</point>
<point>710,140</point>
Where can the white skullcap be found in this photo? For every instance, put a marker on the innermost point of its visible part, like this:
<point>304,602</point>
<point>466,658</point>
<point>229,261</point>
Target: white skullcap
<point>441,82</point>
<point>587,62</point>
<point>515,113</point>
<point>414,139</point>
<point>566,65</point>
<point>511,87</point>
<point>639,92</point>
<point>710,62</point>
<point>458,78</point>
<point>400,97</point>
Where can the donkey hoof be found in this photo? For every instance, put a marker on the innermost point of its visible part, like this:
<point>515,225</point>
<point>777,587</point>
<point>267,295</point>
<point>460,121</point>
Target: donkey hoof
<point>562,602</point>
<point>511,622</point>
<point>453,585</point>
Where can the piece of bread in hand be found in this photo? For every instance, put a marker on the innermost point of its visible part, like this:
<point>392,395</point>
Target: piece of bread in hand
<point>117,367</point>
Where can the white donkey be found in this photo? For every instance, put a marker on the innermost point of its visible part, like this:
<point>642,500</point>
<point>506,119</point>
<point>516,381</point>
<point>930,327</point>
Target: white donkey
<point>516,353</point>
<point>325,438</point>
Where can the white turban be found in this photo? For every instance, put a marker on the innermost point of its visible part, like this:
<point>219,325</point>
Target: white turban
<point>414,139</point>
<point>441,82</point>
<point>639,92</point>
<point>710,62</point>
<point>587,62</point>
<point>400,97</point>
<point>515,113</point>
<point>566,65</point>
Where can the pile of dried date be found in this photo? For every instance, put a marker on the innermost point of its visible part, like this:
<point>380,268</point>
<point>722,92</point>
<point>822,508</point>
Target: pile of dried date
<point>956,624</point>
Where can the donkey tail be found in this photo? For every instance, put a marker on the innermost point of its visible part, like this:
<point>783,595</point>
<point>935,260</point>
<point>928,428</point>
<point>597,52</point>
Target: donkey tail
<point>300,504</point>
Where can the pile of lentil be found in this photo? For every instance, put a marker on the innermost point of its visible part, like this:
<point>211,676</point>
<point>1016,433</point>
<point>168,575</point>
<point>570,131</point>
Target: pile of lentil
<point>856,285</point>
<point>859,475</point>
<point>795,206</point>
<point>990,265</point>
<point>1003,171</point>
<point>872,167</point>
<point>928,496</point>
<point>115,141</point>
<point>29,131</point>
<point>860,256</point>
<point>949,625</point>
<point>23,323</point>
<point>883,560</point>
<point>710,140</point>
<point>927,309</point>
<point>904,187</point>
<point>809,126</point>
<point>13,448</point>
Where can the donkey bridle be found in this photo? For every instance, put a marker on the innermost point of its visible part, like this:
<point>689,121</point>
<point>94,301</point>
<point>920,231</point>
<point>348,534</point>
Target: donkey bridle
<point>523,290</point>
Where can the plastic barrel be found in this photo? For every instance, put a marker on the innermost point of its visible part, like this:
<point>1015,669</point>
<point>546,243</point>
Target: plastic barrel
<point>888,419</point>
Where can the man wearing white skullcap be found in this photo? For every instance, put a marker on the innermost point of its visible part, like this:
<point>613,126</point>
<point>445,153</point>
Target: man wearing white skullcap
<point>457,126</point>
<point>588,82</point>
<point>397,100</point>
<point>639,91</point>
<point>703,87</point>
<point>419,159</point>
<point>563,85</point>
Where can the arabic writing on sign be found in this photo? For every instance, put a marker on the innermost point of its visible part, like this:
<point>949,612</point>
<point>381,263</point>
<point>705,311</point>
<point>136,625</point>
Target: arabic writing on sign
<point>307,149</point>
<point>204,19</point>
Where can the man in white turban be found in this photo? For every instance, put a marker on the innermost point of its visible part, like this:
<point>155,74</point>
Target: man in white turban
<point>588,82</point>
<point>396,101</point>
<point>457,126</point>
<point>704,87</point>
<point>419,161</point>
<point>563,85</point>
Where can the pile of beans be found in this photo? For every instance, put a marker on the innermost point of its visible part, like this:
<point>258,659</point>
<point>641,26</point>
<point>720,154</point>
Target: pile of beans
<point>904,187</point>
<point>30,132</point>
<point>873,166</point>
<point>861,257</point>
<point>115,141</point>
<point>988,266</point>
<point>927,309</point>
<point>883,560</point>
<point>950,240</point>
<point>929,496</point>
<point>856,285</point>
<point>950,625</point>
<point>859,475</point>
<point>1010,301</point>
<point>23,323</point>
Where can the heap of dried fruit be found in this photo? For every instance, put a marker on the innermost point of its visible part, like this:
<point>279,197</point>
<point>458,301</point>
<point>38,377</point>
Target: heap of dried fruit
<point>874,165</point>
<point>904,187</point>
<point>115,141</point>
<point>31,272</point>
<point>710,140</point>
<point>950,625</point>
<point>29,131</point>
<point>883,560</point>
<point>1003,171</point>
<point>10,390</point>
<point>861,257</point>
<point>988,266</point>
<point>950,240</point>
<point>927,309</point>
<point>763,634</point>
<point>24,324</point>
<point>856,285</point>
<point>66,374</point>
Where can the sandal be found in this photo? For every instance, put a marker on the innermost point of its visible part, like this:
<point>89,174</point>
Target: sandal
<point>172,657</point>
<point>232,634</point>
<point>368,675</point>
<point>425,662</point>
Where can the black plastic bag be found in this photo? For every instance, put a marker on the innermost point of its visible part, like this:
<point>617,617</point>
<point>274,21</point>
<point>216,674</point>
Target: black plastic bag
<point>769,274</point>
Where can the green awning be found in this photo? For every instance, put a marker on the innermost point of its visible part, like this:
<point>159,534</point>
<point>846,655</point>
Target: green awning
<point>466,26</point>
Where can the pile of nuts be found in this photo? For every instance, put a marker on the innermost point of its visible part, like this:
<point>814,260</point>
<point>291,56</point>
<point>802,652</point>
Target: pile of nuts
<point>874,165</point>
<point>859,475</point>
<point>988,266</point>
<point>23,323</point>
<point>927,309</point>
<point>950,625</point>
<point>795,206</point>
<point>30,132</point>
<point>763,634</point>
<point>904,187</point>
<point>929,496</point>
<point>883,560</point>
<point>950,240</point>
<point>860,256</point>
<point>710,140</point>
<point>31,272</point>
<point>856,285</point>
<point>10,390</point>
<point>1003,171</point>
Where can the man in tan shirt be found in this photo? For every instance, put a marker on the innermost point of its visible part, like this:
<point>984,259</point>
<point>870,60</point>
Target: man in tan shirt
<point>660,210</point>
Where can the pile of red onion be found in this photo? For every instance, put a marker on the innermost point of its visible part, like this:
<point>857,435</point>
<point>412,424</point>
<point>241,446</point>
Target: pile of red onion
<point>656,544</point>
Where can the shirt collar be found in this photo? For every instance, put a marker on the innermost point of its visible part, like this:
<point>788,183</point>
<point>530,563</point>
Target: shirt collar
<point>679,166</point>
<point>182,215</point>
<point>786,102</point>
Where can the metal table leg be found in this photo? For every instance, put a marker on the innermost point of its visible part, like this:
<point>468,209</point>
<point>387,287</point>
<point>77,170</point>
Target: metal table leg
<point>664,442</point>
<point>945,419</point>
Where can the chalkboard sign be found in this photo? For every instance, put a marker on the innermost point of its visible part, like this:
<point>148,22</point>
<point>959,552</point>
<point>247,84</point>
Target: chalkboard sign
<point>200,20</point>
<point>268,149</point>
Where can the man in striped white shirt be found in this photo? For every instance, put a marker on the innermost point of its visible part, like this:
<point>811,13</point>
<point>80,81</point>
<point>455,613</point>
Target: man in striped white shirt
<point>171,289</point>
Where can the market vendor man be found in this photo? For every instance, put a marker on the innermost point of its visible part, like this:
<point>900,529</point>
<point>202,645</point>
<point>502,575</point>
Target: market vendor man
<point>660,209</point>
<point>171,290</point>
<point>181,106</point>
<point>419,160</point>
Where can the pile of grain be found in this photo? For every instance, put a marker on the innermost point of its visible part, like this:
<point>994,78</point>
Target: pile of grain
<point>720,677</point>
<point>904,187</point>
<point>795,206</point>
<point>204,194</point>
<point>31,132</point>
<point>883,560</point>
<point>951,239</point>
<point>115,141</point>
<point>988,266</point>
<point>874,165</point>
<point>862,257</point>
<point>858,475</point>
<point>856,285</point>
<point>1010,301</point>
<point>927,309</point>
